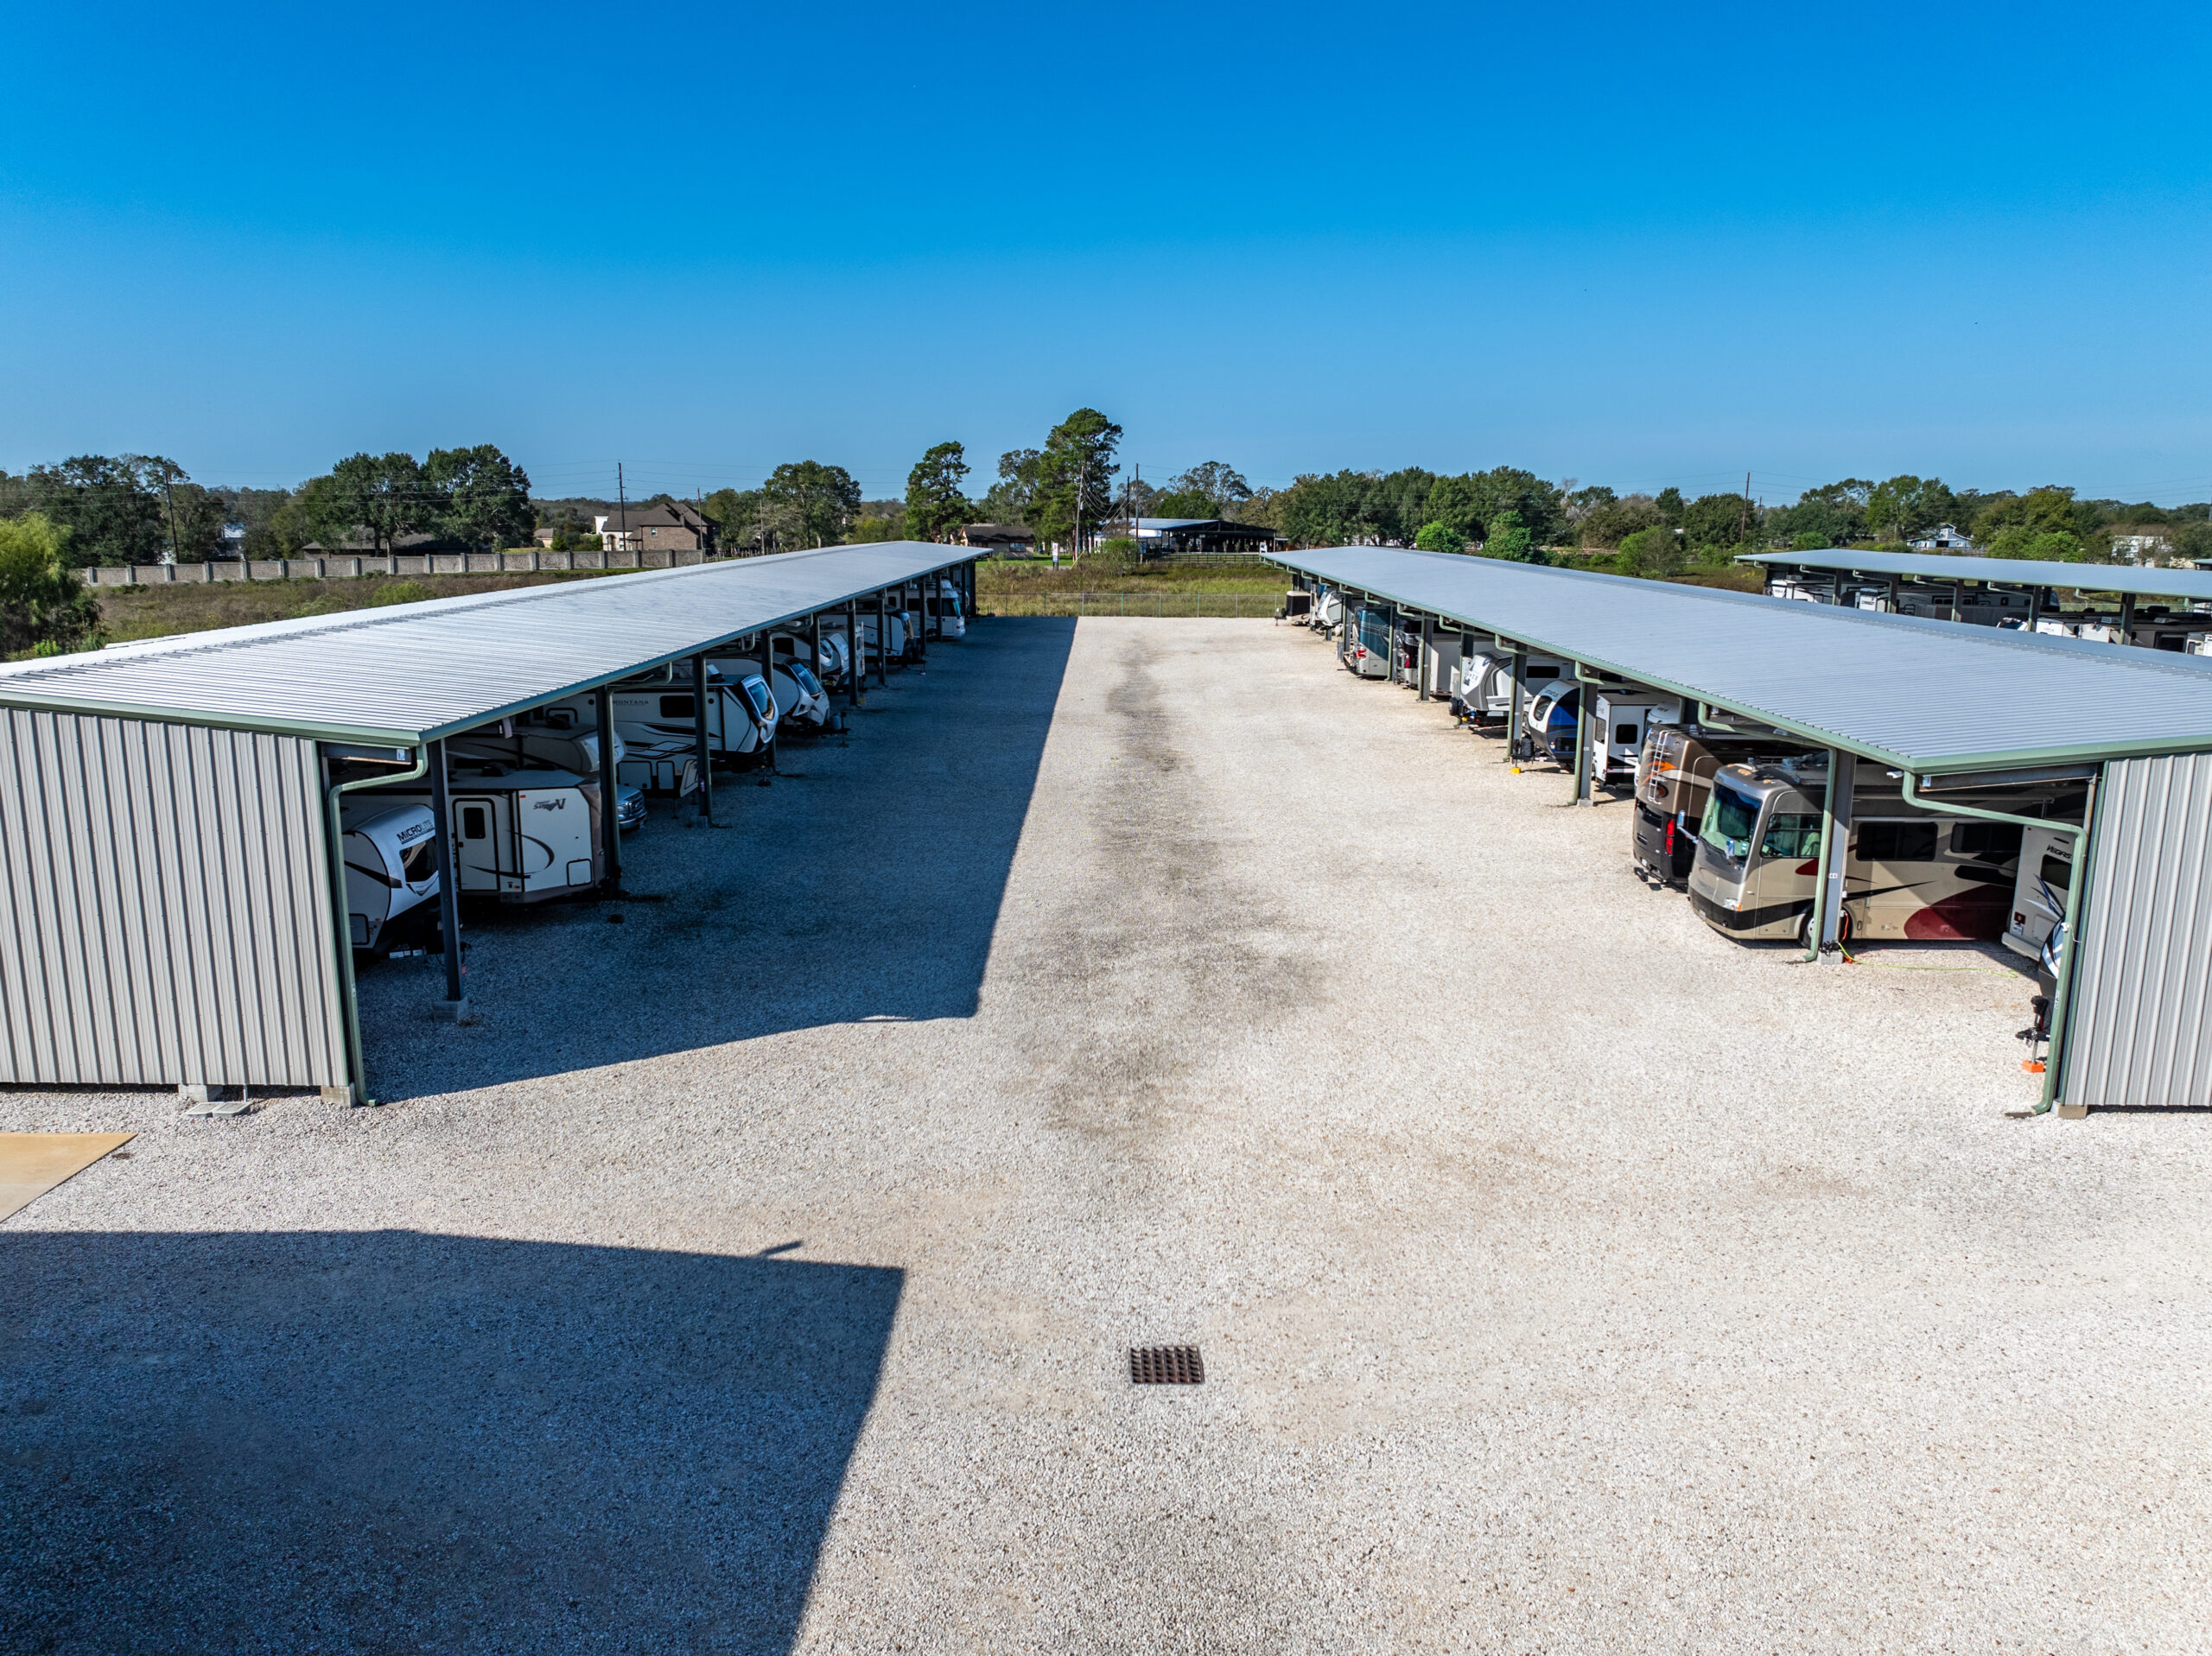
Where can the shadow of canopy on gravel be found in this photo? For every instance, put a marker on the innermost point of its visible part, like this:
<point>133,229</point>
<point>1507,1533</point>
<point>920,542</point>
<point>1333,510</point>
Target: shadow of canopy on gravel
<point>390,1441</point>
<point>864,884</point>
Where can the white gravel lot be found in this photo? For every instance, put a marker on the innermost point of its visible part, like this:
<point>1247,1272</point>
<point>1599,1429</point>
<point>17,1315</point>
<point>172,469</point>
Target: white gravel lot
<point>759,1274</point>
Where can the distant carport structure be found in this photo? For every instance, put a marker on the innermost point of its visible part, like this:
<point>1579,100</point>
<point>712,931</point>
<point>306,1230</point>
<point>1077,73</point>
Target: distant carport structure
<point>1960,714</point>
<point>173,904</point>
<point>1990,591</point>
<point>1205,536</point>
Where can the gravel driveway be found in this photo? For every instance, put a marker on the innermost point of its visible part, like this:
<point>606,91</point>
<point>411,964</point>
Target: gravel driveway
<point>760,1273</point>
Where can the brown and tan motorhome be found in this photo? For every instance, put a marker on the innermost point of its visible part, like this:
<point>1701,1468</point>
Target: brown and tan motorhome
<point>1673,772</point>
<point>1908,873</point>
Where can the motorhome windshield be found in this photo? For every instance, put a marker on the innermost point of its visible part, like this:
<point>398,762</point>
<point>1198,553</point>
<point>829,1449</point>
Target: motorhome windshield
<point>1729,817</point>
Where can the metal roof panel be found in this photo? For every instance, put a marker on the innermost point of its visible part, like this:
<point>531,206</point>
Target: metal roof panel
<point>405,672</point>
<point>2143,581</point>
<point>1920,695</point>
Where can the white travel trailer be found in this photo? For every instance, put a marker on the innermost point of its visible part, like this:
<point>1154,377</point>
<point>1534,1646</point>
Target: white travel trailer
<point>800,699</point>
<point>392,869</point>
<point>1487,689</point>
<point>523,834</point>
<point>656,719</point>
<point>1619,720</point>
<point>533,740</point>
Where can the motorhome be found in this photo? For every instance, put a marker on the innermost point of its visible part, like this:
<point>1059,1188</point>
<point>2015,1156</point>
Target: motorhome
<point>1367,643</point>
<point>1906,873</point>
<point>523,834</point>
<point>872,649</point>
<point>943,614</point>
<point>1328,613</point>
<point>392,870</point>
<point>1674,774</point>
<point>2046,875</point>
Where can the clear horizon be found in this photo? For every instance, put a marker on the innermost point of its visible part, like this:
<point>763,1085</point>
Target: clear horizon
<point>1602,245</point>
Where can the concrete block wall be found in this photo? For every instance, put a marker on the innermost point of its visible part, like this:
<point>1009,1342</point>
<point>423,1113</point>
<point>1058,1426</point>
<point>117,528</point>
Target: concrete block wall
<point>437,563</point>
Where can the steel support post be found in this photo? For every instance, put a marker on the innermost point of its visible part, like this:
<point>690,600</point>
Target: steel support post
<point>855,667</point>
<point>1826,931</point>
<point>610,791</point>
<point>1584,793</point>
<point>449,873</point>
<point>2127,617</point>
<point>1513,702</point>
<point>882,638</point>
<point>701,755</point>
<point>921,618</point>
<point>1428,651</point>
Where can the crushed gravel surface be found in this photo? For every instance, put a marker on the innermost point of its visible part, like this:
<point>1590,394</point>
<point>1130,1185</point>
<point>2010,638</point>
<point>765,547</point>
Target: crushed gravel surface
<point>760,1273</point>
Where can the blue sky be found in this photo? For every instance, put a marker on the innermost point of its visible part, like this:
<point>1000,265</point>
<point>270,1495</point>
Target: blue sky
<point>1625,244</point>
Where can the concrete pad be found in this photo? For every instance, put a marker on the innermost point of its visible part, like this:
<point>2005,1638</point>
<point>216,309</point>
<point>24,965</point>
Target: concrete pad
<point>31,1164</point>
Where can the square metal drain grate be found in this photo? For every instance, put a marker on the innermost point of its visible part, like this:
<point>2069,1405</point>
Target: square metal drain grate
<point>1167,1366</point>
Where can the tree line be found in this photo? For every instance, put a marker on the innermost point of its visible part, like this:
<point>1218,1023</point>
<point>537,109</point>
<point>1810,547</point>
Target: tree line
<point>143,509</point>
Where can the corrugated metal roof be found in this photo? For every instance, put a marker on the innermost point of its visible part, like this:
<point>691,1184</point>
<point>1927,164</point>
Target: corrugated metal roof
<point>414,672</point>
<point>2143,581</point>
<point>1928,696</point>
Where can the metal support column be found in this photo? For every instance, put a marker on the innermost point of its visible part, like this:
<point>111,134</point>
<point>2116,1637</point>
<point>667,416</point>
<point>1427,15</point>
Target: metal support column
<point>610,791</point>
<point>1427,654</point>
<point>854,669</point>
<point>882,638</point>
<point>700,753</point>
<point>1584,793</point>
<point>1513,701</point>
<point>1825,934</point>
<point>448,874</point>
<point>2127,617</point>
<point>921,618</point>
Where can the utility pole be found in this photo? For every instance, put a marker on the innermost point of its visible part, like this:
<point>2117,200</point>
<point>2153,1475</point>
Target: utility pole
<point>1743,517</point>
<point>621,504</point>
<point>1082,482</point>
<point>175,551</point>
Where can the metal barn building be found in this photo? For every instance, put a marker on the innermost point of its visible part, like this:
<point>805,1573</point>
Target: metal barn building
<point>172,898</point>
<point>1948,708</point>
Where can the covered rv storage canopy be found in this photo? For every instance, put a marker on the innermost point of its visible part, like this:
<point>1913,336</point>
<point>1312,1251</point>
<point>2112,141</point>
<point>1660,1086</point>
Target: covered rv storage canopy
<point>169,913</point>
<point>1934,701</point>
<point>2192,586</point>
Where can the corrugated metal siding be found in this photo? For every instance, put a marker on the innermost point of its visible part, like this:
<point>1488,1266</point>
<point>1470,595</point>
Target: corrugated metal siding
<point>2140,1034</point>
<point>1925,694</point>
<point>165,908</point>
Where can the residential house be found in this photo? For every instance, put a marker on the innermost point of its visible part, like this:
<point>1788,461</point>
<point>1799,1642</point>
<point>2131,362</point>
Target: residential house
<point>1943,539</point>
<point>671,526</point>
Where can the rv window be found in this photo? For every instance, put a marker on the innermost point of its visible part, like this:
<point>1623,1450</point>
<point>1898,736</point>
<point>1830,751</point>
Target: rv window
<point>1897,842</point>
<point>1625,734</point>
<point>1729,818</point>
<point>1792,834</point>
<point>418,862</point>
<point>2058,872</point>
<point>1997,840</point>
<point>472,821</point>
<point>676,706</point>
